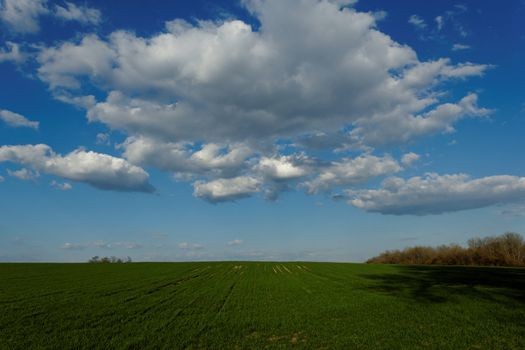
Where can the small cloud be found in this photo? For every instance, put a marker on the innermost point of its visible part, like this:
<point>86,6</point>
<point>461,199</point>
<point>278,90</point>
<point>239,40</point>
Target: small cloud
<point>458,47</point>
<point>65,186</point>
<point>409,158</point>
<point>81,14</point>
<point>101,245</point>
<point>12,53</point>
<point>417,22</point>
<point>338,197</point>
<point>439,22</point>
<point>196,254</point>
<point>125,245</point>
<point>103,139</point>
<point>24,174</point>
<point>159,235</point>
<point>72,246</point>
<point>190,246</point>
<point>514,210</point>
<point>408,239</point>
<point>379,15</point>
<point>16,120</point>
<point>235,242</point>
<point>1,178</point>
<point>461,7</point>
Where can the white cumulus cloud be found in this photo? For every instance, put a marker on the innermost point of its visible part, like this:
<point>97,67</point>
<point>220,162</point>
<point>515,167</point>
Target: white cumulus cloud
<point>440,119</point>
<point>99,170</point>
<point>210,158</point>
<point>436,194</point>
<point>225,82</point>
<point>223,190</point>
<point>283,167</point>
<point>214,101</point>
<point>352,171</point>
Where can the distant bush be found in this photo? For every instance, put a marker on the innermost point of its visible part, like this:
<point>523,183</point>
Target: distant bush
<point>507,249</point>
<point>108,260</point>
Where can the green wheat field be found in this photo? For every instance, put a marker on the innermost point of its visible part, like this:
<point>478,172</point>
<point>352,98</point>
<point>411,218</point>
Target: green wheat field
<point>256,305</point>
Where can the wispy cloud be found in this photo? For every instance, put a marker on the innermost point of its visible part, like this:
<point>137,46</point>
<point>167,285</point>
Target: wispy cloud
<point>17,120</point>
<point>417,22</point>
<point>24,174</point>
<point>101,245</point>
<point>23,16</point>
<point>63,186</point>
<point>12,53</point>
<point>190,246</point>
<point>457,47</point>
<point>81,14</point>
<point>235,242</point>
<point>103,139</point>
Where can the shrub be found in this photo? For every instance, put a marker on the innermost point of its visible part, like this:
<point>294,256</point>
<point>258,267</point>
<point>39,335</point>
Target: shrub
<point>507,249</point>
<point>108,260</point>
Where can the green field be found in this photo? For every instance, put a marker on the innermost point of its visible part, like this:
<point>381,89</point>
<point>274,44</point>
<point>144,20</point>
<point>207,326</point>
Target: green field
<point>251,305</point>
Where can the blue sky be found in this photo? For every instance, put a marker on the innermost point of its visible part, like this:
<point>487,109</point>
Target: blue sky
<point>258,130</point>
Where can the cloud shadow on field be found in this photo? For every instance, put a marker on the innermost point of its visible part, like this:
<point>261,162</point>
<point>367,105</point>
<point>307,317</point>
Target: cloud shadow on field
<point>440,284</point>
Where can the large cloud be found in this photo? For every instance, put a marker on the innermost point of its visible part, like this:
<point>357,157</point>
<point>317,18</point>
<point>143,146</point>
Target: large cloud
<point>99,170</point>
<point>311,66</point>
<point>220,102</point>
<point>436,194</point>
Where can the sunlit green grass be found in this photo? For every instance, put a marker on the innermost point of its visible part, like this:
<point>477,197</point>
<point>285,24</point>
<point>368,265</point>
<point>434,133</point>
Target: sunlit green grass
<point>229,305</point>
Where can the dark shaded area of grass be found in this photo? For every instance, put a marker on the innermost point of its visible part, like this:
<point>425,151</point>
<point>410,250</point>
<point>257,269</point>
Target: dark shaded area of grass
<point>439,284</point>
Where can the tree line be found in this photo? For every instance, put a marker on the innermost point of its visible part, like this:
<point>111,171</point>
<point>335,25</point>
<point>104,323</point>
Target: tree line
<point>507,249</point>
<point>108,260</point>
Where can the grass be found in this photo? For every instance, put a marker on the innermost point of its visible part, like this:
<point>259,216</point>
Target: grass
<point>251,305</point>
